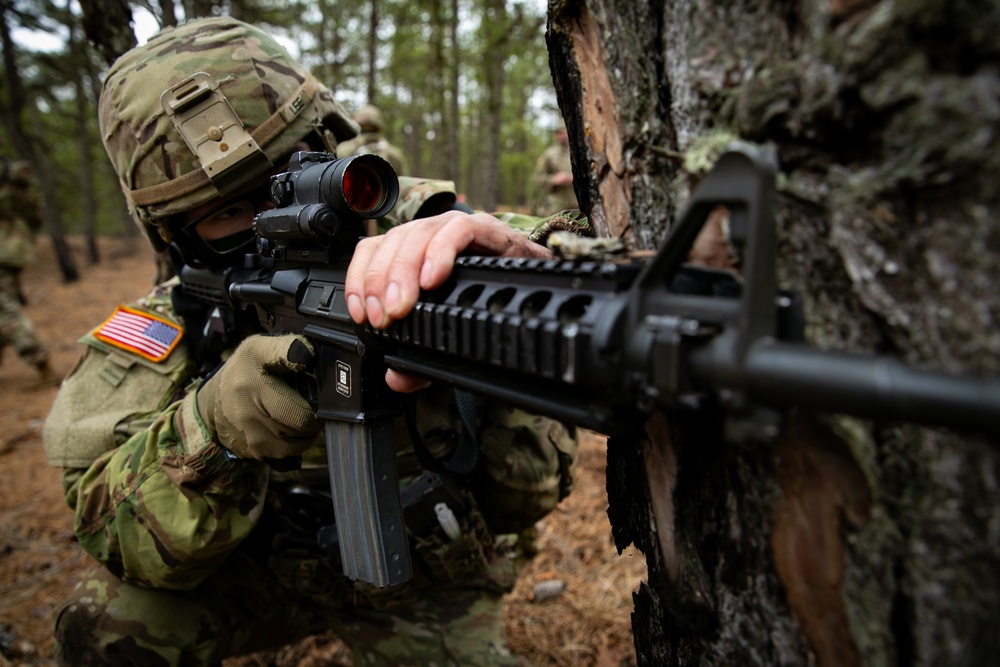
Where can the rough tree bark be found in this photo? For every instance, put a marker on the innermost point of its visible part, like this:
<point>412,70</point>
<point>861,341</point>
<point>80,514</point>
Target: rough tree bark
<point>844,542</point>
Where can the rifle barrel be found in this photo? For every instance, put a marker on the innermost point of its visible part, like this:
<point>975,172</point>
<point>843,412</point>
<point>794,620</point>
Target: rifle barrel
<point>872,387</point>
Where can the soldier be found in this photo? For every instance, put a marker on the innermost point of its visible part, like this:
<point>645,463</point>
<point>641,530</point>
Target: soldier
<point>369,117</point>
<point>20,219</point>
<point>163,431</point>
<point>554,176</point>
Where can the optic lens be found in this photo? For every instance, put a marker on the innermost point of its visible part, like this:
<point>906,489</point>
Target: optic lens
<point>363,189</point>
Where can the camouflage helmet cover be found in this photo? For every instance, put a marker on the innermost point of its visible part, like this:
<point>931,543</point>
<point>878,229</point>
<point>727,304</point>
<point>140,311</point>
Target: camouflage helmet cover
<point>21,172</point>
<point>277,101</point>
<point>369,116</point>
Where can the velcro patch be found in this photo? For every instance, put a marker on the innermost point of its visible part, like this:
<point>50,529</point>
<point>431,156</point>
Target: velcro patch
<point>144,334</point>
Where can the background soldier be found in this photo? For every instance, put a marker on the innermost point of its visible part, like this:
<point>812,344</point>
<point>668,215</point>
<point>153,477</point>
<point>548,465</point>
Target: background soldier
<point>203,549</point>
<point>554,176</point>
<point>369,117</point>
<point>20,219</point>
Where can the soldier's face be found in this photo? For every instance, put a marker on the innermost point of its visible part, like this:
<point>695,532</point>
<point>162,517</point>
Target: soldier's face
<point>214,220</point>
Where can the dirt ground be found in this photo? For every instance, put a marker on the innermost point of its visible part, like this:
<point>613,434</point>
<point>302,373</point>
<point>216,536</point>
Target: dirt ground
<point>585,622</point>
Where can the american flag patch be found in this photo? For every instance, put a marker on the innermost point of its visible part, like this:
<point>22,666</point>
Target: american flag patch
<point>139,332</point>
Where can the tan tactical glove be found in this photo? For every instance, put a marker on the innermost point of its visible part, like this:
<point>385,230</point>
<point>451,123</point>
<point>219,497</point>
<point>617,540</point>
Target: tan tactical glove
<point>250,407</point>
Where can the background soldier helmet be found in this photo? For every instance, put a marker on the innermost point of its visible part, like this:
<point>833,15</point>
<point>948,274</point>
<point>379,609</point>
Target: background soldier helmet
<point>369,117</point>
<point>148,129</point>
<point>21,173</point>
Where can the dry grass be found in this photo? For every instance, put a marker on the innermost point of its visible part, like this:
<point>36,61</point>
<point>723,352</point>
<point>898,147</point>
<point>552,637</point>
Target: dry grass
<point>588,623</point>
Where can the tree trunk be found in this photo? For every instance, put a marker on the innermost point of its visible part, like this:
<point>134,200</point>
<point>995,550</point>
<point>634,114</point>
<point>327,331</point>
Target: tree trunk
<point>42,165</point>
<point>83,112</point>
<point>371,76</point>
<point>28,146</point>
<point>437,109</point>
<point>453,161</point>
<point>495,31</point>
<point>168,11</point>
<point>108,26</point>
<point>843,542</point>
<point>324,72</point>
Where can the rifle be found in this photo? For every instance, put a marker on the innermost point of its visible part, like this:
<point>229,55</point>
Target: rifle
<point>598,344</point>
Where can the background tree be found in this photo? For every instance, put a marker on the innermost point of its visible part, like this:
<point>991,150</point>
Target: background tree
<point>107,30</point>
<point>107,25</point>
<point>18,108</point>
<point>453,115</point>
<point>845,542</point>
<point>371,52</point>
<point>494,36</point>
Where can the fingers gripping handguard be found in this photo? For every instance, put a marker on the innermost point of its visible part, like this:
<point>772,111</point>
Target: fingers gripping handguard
<point>251,407</point>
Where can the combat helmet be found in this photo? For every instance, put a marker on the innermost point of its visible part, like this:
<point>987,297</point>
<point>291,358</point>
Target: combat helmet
<point>21,173</point>
<point>203,109</point>
<point>369,116</point>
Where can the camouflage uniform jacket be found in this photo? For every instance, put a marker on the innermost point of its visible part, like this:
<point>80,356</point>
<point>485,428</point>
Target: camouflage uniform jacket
<point>158,503</point>
<point>19,218</point>
<point>374,143</point>
<point>555,159</point>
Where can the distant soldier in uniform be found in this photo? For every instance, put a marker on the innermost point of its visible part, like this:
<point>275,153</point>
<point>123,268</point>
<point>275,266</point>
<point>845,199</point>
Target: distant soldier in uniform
<point>369,117</point>
<point>20,219</point>
<point>554,176</point>
<point>170,429</point>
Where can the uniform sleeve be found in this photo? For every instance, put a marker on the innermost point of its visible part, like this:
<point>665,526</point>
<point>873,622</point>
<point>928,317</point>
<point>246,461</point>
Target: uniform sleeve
<point>527,461</point>
<point>527,468</point>
<point>155,501</point>
<point>168,506</point>
<point>542,172</point>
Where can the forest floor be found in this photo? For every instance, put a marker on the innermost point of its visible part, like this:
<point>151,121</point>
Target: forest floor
<point>588,623</point>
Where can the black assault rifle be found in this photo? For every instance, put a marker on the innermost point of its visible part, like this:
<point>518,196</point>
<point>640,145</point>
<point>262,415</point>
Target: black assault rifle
<point>598,344</point>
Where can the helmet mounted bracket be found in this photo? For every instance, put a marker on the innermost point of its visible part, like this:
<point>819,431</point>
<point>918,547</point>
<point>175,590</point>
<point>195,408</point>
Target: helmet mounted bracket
<point>206,121</point>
